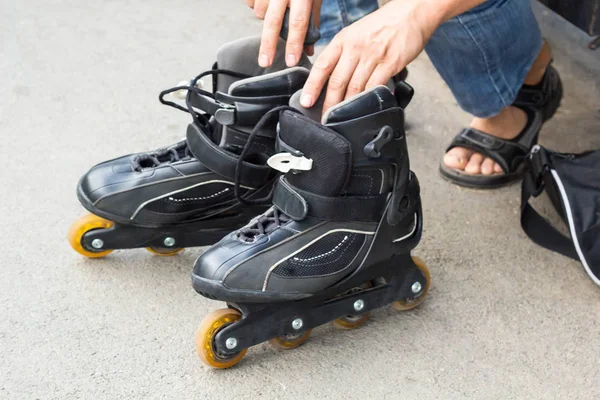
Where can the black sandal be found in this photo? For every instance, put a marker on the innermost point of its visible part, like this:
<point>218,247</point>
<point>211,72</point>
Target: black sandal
<point>540,102</point>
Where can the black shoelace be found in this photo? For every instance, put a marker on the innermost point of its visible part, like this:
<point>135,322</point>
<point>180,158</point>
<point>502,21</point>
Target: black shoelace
<point>264,224</point>
<point>181,150</point>
<point>273,218</point>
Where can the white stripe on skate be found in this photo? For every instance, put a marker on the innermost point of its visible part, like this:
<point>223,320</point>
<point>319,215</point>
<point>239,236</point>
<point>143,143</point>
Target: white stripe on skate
<point>144,204</point>
<point>409,235</point>
<point>307,245</point>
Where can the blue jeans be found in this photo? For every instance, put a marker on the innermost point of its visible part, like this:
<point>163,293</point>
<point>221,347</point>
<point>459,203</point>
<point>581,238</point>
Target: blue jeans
<point>483,54</point>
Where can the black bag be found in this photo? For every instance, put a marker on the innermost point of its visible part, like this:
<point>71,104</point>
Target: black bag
<point>572,181</point>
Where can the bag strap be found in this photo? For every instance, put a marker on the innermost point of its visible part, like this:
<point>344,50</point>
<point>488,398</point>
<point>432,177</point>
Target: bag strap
<point>535,226</point>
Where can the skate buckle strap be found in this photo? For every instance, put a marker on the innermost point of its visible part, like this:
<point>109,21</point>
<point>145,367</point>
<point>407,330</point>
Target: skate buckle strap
<point>286,162</point>
<point>299,204</point>
<point>373,148</point>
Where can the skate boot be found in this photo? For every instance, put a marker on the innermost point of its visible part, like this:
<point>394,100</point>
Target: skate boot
<point>182,195</point>
<point>335,245</point>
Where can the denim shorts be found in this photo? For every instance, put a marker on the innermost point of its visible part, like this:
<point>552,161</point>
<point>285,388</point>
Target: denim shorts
<point>483,54</point>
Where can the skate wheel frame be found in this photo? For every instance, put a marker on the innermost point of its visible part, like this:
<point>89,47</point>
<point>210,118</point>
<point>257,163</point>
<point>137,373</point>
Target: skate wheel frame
<point>163,252</point>
<point>82,226</point>
<point>209,327</point>
<point>405,305</point>
<point>290,341</point>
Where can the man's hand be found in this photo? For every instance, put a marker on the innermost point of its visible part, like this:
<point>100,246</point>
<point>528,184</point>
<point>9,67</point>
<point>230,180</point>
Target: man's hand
<point>272,11</point>
<point>370,51</point>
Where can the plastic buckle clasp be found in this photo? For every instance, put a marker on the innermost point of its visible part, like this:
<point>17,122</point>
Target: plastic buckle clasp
<point>225,114</point>
<point>286,162</point>
<point>373,148</point>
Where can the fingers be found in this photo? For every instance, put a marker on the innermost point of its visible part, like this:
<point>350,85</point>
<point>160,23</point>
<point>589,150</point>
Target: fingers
<point>309,50</point>
<point>340,78</point>
<point>299,17</point>
<point>260,7</point>
<point>380,76</point>
<point>319,73</point>
<point>271,30</point>
<point>249,3</point>
<point>359,79</point>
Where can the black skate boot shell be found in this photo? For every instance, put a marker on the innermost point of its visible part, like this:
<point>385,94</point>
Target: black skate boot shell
<point>336,244</point>
<point>182,195</point>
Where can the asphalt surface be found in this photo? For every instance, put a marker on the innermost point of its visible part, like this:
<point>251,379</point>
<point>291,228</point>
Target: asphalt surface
<point>78,85</point>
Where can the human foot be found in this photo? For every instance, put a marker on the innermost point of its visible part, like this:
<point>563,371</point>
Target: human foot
<point>508,124</point>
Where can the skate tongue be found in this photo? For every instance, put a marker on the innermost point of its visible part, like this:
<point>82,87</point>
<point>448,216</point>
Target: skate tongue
<point>176,152</point>
<point>369,102</point>
<point>330,152</point>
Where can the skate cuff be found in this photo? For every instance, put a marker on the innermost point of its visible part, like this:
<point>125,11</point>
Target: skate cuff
<point>223,162</point>
<point>229,110</point>
<point>300,204</point>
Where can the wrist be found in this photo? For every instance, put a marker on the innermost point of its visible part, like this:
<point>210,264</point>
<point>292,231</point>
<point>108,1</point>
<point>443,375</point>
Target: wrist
<point>427,14</point>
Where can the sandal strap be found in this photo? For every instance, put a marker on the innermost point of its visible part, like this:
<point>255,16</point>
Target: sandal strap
<point>509,154</point>
<point>539,95</point>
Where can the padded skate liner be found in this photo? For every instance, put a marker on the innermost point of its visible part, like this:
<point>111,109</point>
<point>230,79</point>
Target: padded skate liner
<point>285,82</point>
<point>368,102</point>
<point>331,154</point>
<point>242,56</point>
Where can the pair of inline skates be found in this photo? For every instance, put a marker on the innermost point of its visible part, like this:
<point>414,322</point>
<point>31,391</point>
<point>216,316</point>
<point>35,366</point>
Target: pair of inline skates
<point>314,218</point>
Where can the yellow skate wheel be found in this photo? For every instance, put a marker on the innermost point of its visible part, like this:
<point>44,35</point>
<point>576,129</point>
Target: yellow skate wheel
<point>354,321</point>
<point>84,225</point>
<point>163,252</point>
<point>351,321</point>
<point>205,338</point>
<point>404,305</point>
<point>290,341</point>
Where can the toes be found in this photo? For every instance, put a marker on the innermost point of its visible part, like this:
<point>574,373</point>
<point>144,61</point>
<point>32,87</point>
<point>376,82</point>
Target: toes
<point>487,167</point>
<point>474,165</point>
<point>457,158</point>
<point>497,168</point>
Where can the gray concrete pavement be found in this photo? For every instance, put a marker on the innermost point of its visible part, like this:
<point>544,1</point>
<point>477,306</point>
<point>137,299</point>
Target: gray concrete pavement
<point>79,83</point>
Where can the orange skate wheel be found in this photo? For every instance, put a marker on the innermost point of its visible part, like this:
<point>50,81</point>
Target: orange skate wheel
<point>354,321</point>
<point>163,252</point>
<point>84,225</point>
<point>351,321</point>
<point>290,341</point>
<point>404,305</point>
<point>205,336</point>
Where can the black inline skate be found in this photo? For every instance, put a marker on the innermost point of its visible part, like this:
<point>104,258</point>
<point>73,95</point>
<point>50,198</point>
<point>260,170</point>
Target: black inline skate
<point>182,195</point>
<point>335,245</point>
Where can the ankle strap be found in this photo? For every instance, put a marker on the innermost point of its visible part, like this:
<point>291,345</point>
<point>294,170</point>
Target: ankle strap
<point>300,204</point>
<point>223,162</point>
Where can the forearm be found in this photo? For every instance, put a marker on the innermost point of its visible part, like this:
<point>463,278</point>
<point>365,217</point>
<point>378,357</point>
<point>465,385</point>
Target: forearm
<point>433,13</point>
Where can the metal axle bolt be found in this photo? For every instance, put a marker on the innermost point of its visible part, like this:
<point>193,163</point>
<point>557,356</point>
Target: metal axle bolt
<point>416,287</point>
<point>297,323</point>
<point>359,305</point>
<point>97,243</point>
<point>169,241</point>
<point>231,343</point>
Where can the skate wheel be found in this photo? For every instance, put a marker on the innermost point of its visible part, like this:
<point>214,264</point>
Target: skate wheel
<point>209,327</point>
<point>82,226</point>
<point>163,252</point>
<point>405,305</point>
<point>354,321</point>
<point>290,341</point>
<point>351,321</point>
